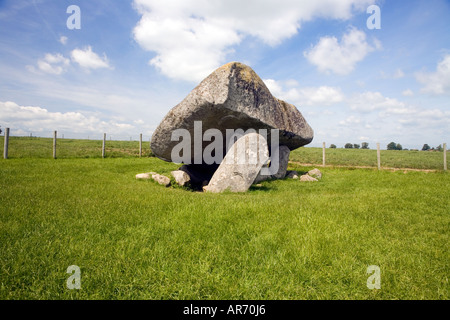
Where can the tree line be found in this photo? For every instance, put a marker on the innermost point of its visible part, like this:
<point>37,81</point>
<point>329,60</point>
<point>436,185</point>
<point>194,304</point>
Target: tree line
<point>390,146</point>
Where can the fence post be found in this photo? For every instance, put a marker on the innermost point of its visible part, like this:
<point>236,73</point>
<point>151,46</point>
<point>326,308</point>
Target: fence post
<point>445,157</point>
<point>5,147</point>
<point>140,145</point>
<point>103,146</point>
<point>54,144</point>
<point>378,156</point>
<point>323,154</point>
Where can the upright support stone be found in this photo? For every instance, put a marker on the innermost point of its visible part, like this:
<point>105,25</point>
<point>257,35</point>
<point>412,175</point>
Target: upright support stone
<point>283,162</point>
<point>241,165</point>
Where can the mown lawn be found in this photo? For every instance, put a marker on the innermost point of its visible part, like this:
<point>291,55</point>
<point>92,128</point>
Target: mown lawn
<point>285,240</point>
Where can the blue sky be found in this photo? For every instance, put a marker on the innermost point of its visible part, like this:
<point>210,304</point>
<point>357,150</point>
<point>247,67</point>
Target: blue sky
<point>132,61</point>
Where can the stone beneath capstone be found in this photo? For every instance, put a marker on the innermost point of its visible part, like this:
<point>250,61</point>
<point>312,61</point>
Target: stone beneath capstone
<point>292,175</point>
<point>145,176</point>
<point>181,177</point>
<point>232,97</point>
<point>241,165</point>
<point>307,177</point>
<point>283,161</point>
<point>315,173</point>
<point>162,180</point>
<point>199,175</point>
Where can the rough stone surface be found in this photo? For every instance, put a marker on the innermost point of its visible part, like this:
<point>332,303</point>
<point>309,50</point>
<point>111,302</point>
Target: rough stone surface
<point>181,177</point>
<point>147,175</point>
<point>307,177</point>
<point>241,165</point>
<point>292,175</point>
<point>283,158</point>
<point>315,173</point>
<point>232,97</point>
<point>162,180</point>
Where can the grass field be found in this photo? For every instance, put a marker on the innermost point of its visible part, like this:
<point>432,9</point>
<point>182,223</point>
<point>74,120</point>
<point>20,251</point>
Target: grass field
<point>285,240</point>
<point>27,147</point>
<point>367,157</point>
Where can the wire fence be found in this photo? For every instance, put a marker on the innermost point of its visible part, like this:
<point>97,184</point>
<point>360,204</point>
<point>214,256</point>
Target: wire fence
<point>59,147</point>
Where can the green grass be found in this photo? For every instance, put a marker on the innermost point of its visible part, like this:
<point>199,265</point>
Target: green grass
<point>368,157</point>
<point>285,240</point>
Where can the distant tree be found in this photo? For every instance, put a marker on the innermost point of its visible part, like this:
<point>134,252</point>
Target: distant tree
<point>333,146</point>
<point>364,145</point>
<point>348,146</point>
<point>426,147</point>
<point>356,146</point>
<point>398,147</point>
<point>392,146</point>
<point>438,148</point>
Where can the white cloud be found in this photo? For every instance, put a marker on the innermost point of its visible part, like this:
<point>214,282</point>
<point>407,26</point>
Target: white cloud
<point>53,64</point>
<point>408,93</point>
<point>274,87</point>
<point>63,40</point>
<point>310,96</point>
<point>398,74</point>
<point>429,118</point>
<point>394,111</point>
<point>322,95</point>
<point>193,37</point>
<point>372,101</point>
<point>436,82</point>
<point>37,119</point>
<point>350,121</point>
<point>340,57</point>
<point>88,59</point>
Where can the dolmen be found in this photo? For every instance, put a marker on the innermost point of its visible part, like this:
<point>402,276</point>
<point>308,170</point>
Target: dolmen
<point>230,132</point>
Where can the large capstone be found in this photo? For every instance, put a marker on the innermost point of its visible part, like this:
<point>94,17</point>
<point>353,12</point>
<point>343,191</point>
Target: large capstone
<point>232,97</point>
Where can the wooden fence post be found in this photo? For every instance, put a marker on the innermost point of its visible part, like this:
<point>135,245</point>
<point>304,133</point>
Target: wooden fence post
<point>104,145</point>
<point>378,156</point>
<point>54,143</point>
<point>140,145</point>
<point>323,155</point>
<point>445,157</point>
<point>6,142</point>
